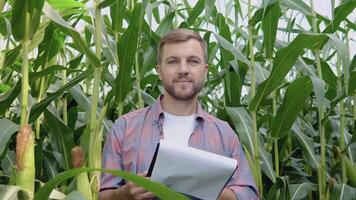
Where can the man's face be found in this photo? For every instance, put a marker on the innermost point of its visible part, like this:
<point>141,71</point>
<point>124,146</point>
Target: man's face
<point>182,69</point>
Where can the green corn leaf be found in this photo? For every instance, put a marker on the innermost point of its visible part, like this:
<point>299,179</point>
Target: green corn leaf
<point>50,70</point>
<point>251,163</point>
<point>126,49</point>
<point>267,166</point>
<point>351,171</point>
<point>67,29</point>
<point>343,192</point>
<point>85,103</point>
<point>159,190</point>
<point>194,14</point>
<point>298,5</point>
<point>243,126</point>
<point>319,91</point>
<point>52,42</point>
<point>281,185</point>
<point>232,98</point>
<point>61,135</point>
<point>307,145</point>
<point>3,27</point>
<point>283,62</point>
<point>269,27</point>
<point>117,10</point>
<point>284,187</point>
<point>343,54</point>
<point>352,81</point>
<point>4,88</point>
<point>21,7</point>
<point>65,4</point>
<point>75,195</point>
<point>300,191</point>
<point>329,78</point>
<point>147,98</point>
<point>12,55</point>
<point>8,128</point>
<point>209,7</point>
<point>353,64</point>
<point>238,56</point>
<point>350,147</point>
<point>340,13</point>
<point>165,25</point>
<point>296,95</point>
<point>13,192</point>
<point>38,108</point>
<point>9,97</point>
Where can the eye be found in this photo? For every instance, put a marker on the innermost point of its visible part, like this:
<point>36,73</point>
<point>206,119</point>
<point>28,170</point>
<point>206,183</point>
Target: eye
<point>172,61</point>
<point>194,61</point>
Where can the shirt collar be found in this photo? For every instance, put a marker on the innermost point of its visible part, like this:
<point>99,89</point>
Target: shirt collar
<point>158,110</point>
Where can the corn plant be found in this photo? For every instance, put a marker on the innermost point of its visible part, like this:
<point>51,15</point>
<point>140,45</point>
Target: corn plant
<point>282,74</point>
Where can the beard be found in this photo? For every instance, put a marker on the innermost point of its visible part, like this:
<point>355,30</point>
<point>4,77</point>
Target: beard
<point>186,93</point>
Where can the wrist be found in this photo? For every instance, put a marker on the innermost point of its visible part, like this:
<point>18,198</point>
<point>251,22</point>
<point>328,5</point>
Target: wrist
<point>122,193</point>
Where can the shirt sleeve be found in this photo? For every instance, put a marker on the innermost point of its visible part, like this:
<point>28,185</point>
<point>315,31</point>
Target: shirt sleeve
<point>112,156</point>
<point>242,182</point>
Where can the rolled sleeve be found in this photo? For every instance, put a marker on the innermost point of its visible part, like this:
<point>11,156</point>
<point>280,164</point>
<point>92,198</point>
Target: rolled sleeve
<point>242,182</point>
<point>112,156</point>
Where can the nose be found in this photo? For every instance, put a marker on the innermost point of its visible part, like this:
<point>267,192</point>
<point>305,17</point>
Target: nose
<point>183,68</point>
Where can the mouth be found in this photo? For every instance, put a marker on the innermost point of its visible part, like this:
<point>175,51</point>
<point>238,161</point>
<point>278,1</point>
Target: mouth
<point>183,81</point>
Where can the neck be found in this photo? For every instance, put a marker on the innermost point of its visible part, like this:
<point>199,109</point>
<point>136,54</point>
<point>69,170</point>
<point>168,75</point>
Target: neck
<point>179,107</point>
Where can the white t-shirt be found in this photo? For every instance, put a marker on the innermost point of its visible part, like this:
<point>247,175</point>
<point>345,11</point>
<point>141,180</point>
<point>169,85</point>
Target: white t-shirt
<point>178,129</point>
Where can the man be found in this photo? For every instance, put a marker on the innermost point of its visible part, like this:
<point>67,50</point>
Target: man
<point>176,116</point>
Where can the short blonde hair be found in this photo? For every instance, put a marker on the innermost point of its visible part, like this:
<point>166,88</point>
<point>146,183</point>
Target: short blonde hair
<point>180,35</point>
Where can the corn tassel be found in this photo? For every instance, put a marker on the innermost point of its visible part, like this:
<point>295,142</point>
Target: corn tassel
<point>25,176</point>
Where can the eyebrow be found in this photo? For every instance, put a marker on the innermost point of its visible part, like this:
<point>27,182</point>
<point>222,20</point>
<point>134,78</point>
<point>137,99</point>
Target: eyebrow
<point>171,57</point>
<point>175,57</point>
<point>194,57</point>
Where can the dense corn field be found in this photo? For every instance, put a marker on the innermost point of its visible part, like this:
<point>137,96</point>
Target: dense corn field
<point>280,73</point>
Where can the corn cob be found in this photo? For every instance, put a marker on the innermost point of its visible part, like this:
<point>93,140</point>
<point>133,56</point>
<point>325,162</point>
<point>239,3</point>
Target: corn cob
<point>82,181</point>
<point>25,160</point>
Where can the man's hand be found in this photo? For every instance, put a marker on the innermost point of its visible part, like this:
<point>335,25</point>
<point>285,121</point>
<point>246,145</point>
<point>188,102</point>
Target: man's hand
<point>129,191</point>
<point>227,194</point>
<point>132,191</point>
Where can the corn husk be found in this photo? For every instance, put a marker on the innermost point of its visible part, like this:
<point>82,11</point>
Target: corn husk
<point>82,180</point>
<point>25,160</point>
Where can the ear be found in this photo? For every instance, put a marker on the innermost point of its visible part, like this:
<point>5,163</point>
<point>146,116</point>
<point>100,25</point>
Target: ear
<point>206,70</point>
<point>158,70</point>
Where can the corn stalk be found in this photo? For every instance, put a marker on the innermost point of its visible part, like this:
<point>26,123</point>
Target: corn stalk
<point>64,100</point>
<point>24,69</point>
<point>2,4</point>
<point>322,168</point>
<point>342,123</point>
<point>275,141</point>
<point>253,113</point>
<point>138,79</point>
<point>94,160</point>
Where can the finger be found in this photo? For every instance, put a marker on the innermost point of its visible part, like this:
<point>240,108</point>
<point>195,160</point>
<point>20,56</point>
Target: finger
<point>131,184</point>
<point>145,196</point>
<point>137,190</point>
<point>142,174</point>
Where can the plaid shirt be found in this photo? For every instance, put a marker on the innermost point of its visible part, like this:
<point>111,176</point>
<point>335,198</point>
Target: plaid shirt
<point>132,142</point>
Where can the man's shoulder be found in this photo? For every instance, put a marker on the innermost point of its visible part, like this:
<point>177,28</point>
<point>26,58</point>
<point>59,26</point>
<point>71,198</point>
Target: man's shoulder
<point>135,114</point>
<point>222,125</point>
<point>209,118</point>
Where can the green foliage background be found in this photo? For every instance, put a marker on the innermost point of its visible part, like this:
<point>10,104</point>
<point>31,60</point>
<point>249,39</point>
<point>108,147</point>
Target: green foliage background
<point>70,70</point>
